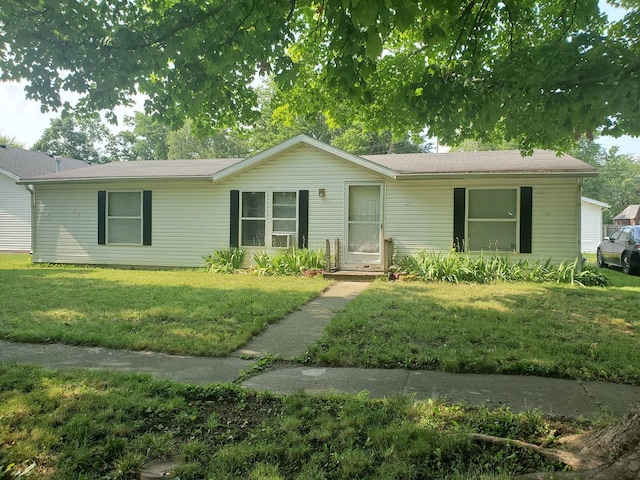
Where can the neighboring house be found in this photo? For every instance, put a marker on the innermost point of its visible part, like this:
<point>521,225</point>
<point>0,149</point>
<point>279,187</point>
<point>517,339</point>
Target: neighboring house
<point>591,224</point>
<point>302,193</point>
<point>629,216</point>
<point>15,200</point>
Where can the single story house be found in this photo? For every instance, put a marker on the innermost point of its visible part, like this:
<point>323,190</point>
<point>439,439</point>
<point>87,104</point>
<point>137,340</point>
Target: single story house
<point>592,227</point>
<point>302,193</point>
<point>629,216</point>
<point>15,200</point>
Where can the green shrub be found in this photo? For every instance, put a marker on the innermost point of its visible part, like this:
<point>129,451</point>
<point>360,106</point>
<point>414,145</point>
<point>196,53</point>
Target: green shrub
<point>225,260</point>
<point>591,277</point>
<point>459,267</point>
<point>290,262</point>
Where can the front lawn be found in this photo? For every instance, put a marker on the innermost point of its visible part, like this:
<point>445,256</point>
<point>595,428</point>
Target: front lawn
<point>94,425</point>
<point>173,311</point>
<point>508,328</point>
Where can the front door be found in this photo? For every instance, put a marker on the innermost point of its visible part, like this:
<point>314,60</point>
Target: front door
<point>364,226</point>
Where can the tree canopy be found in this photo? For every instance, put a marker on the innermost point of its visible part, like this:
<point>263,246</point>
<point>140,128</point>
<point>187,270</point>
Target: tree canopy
<point>81,139</point>
<point>540,73</point>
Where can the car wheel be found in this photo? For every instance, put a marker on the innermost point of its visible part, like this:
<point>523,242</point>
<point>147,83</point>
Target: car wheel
<point>601,262</point>
<point>626,263</point>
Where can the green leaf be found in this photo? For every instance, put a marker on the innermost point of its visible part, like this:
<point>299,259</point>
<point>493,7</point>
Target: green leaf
<point>374,43</point>
<point>364,14</point>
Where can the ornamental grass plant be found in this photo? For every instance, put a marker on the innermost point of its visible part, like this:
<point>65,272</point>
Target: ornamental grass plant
<point>457,267</point>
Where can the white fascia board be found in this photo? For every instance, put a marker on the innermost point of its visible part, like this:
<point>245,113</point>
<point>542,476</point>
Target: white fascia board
<point>9,174</point>
<point>455,175</point>
<point>295,142</point>
<point>595,202</point>
<point>101,180</point>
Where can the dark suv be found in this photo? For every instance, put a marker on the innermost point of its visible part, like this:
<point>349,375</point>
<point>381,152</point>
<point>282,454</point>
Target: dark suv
<point>622,248</point>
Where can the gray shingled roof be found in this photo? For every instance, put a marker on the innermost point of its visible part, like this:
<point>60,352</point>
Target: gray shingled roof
<point>541,161</point>
<point>26,163</point>
<point>395,165</point>
<point>145,169</point>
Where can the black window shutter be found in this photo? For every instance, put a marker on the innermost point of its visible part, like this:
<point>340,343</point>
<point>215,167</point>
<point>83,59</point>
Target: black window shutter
<point>234,219</point>
<point>303,219</point>
<point>459,195</point>
<point>102,216</point>
<point>146,217</point>
<point>526,218</point>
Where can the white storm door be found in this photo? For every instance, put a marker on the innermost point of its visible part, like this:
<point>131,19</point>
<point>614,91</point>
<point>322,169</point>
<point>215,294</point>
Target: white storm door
<point>364,224</point>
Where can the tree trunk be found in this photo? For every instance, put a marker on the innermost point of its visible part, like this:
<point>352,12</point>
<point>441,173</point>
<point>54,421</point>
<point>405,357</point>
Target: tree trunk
<point>612,453</point>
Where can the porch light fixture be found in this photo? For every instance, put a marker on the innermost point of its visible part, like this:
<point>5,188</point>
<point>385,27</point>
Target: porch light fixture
<point>322,192</point>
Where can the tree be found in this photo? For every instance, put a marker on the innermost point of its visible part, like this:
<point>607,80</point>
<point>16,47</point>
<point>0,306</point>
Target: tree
<point>74,138</point>
<point>10,141</point>
<point>540,72</point>
<point>612,453</point>
<point>618,180</point>
<point>472,145</point>
<point>185,143</point>
<point>150,137</point>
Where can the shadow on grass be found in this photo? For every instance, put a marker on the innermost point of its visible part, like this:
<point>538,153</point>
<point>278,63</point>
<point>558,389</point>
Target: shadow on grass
<point>503,328</point>
<point>99,425</point>
<point>190,312</point>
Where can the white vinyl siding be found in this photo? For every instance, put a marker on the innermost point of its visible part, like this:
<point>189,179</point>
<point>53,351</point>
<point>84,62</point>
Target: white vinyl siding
<point>184,226</point>
<point>15,216</point>
<point>591,226</point>
<point>302,168</point>
<point>192,217</point>
<point>419,215</point>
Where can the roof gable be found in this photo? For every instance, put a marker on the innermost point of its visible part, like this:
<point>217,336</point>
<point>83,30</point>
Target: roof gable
<point>629,213</point>
<point>296,142</point>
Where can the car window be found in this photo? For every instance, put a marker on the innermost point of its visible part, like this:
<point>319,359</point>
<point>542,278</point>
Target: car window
<point>625,235</point>
<point>615,235</point>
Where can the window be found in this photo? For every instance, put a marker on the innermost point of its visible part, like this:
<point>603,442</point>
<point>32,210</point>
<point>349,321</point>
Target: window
<point>124,218</point>
<point>271,216</point>
<point>253,219</point>
<point>283,221</point>
<point>492,219</point>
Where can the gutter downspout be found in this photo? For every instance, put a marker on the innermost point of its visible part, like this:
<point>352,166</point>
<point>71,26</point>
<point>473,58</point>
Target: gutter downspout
<point>579,236</point>
<point>32,196</point>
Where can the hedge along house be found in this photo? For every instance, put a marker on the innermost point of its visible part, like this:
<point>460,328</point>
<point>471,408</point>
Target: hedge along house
<point>302,193</point>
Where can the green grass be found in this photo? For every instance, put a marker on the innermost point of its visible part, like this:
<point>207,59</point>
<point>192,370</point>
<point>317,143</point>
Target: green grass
<point>173,311</point>
<point>506,327</point>
<point>99,425</point>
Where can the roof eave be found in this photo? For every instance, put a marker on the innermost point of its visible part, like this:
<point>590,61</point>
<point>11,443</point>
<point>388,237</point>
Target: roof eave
<point>448,175</point>
<point>35,181</point>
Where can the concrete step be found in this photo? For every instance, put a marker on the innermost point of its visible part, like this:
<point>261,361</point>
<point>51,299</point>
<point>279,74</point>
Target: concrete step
<point>354,275</point>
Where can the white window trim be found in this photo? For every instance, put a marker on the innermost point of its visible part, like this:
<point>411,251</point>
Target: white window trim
<point>108,218</point>
<point>269,218</point>
<point>515,220</point>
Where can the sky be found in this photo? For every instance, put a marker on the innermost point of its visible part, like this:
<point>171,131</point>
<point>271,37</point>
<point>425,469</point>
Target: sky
<point>23,120</point>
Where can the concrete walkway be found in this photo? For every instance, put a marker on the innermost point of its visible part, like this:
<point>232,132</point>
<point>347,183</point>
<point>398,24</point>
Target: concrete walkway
<point>289,339</point>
